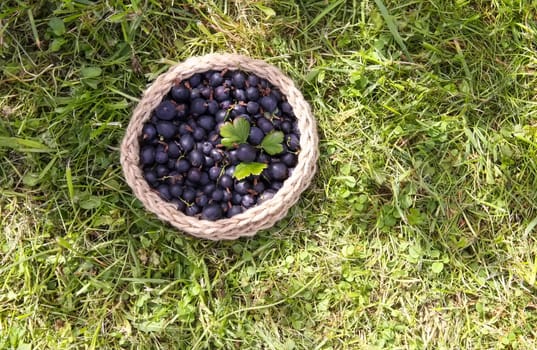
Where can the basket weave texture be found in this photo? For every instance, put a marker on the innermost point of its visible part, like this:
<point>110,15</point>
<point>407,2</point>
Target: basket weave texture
<point>256,218</point>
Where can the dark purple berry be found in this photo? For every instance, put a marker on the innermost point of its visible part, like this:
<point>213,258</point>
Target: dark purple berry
<point>256,136</point>
<point>164,191</point>
<point>207,122</point>
<point>195,80</point>
<point>147,155</point>
<point>293,142</point>
<point>265,125</point>
<point>268,103</point>
<point>149,131</point>
<point>248,201</point>
<point>192,210</point>
<point>166,129</point>
<point>173,150</point>
<point>277,171</point>
<point>176,190</point>
<point>246,153</point>
<point>234,210</point>
<point>216,79</point>
<point>198,106</point>
<point>252,93</point>
<point>226,181</point>
<point>165,110</point>
<point>180,93</point>
<point>189,194</point>
<point>187,142</point>
<point>238,79</point>
<point>182,165</point>
<point>252,107</point>
<point>196,158</point>
<point>211,212</point>
<point>289,159</point>
<point>242,187</point>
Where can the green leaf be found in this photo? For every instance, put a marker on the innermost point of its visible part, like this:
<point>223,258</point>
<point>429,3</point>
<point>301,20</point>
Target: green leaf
<point>243,170</point>
<point>91,202</point>
<point>31,179</point>
<point>90,72</point>
<point>57,26</point>
<point>437,267</point>
<point>272,142</point>
<point>235,133</point>
<point>269,12</point>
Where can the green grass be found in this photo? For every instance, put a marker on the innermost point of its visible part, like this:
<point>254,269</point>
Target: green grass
<point>418,232</point>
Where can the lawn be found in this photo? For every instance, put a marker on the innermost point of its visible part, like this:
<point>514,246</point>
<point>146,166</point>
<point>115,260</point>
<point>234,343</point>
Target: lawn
<point>419,231</point>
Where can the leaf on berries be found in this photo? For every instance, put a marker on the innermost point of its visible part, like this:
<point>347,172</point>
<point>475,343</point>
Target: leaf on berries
<point>235,133</point>
<point>272,142</point>
<point>243,170</point>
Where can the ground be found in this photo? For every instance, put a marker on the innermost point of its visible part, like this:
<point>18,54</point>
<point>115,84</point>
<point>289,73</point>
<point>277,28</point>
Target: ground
<point>417,233</point>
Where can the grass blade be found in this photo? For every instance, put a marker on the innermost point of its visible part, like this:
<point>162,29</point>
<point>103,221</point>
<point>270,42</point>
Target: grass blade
<point>392,26</point>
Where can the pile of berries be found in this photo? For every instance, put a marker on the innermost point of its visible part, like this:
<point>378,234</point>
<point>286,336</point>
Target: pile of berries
<point>186,158</point>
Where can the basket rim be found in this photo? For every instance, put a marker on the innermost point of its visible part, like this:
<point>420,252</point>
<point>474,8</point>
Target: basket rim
<point>250,221</point>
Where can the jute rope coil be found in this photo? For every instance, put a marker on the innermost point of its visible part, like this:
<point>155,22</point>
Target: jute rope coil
<point>256,218</point>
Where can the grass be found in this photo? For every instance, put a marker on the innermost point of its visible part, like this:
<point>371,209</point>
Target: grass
<point>418,232</point>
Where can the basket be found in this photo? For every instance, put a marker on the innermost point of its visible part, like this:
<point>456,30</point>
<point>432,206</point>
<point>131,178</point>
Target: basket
<point>256,218</point>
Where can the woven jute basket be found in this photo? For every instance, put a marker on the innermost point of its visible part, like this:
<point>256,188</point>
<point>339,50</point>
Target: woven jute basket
<point>256,218</point>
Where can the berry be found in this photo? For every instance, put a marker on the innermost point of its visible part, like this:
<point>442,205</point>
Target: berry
<point>211,212</point>
<point>149,131</point>
<point>180,93</point>
<point>277,171</point>
<point>192,210</point>
<point>151,177</point>
<point>212,107</point>
<point>187,142</point>
<point>217,195</point>
<point>252,93</point>
<point>246,153</point>
<point>286,108</point>
<point>194,175</point>
<point>268,103</point>
<point>248,201</point>
<point>239,94</point>
<point>216,79</point>
<point>195,80</point>
<point>265,125</point>
<point>214,172</point>
<point>226,181</point>
<point>293,142</point>
<point>147,155</point>
<point>164,191</point>
<point>165,110</point>
<point>252,107</point>
<point>198,106</point>
<point>196,158</point>
<point>189,194</point>
<point>221,93</point>
<point>238,79</point>
<point>166,129</point>
<point>176,190</point>
<point>182,165</point>
<point>289,159</point>
<point>242,187</point>
<point>234,210</point>
<point>207,122</point>
<point>173,150</point>
<point>162,170</point>
<point>253,80</point>
<point>256,136</point>
<point>265,196</point>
